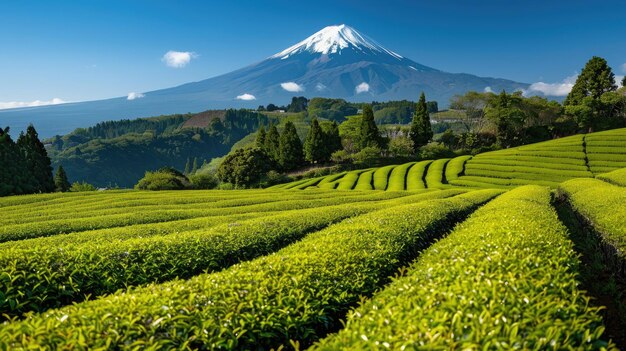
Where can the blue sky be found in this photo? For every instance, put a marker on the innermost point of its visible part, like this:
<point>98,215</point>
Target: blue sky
<point>86,50</point>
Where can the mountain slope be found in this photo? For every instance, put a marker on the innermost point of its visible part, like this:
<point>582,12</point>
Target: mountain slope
<point>337,62</point>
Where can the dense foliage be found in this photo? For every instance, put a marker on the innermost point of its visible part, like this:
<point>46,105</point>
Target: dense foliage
<point>163,179</point>
<point>421,132</point>
<point>245,167</point>
<point>119,153</point>
<point>25,165</point>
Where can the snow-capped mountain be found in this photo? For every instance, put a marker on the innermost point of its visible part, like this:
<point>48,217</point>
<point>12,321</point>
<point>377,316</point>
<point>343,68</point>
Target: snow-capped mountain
<point>333,40</point>
<point>338,61</point>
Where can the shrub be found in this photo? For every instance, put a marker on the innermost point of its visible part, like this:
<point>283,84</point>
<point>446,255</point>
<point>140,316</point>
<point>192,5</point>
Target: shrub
<point>82,186</point>
<point>164,179</point>
<point>435,151</point>
<point>206,180</point>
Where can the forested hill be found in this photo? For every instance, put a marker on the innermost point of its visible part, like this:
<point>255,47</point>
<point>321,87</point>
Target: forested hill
<point>119,152</point>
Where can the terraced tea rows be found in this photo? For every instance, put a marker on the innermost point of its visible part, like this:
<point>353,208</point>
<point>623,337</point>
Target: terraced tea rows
<point>314,281</point>
<point>271,269</point>
<point>490,284</point>
<point>288,275</point>
<point>548,163</point>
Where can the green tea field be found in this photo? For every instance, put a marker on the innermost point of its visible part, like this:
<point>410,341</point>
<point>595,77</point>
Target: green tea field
<point>548,163</point>
<point>484,252</point>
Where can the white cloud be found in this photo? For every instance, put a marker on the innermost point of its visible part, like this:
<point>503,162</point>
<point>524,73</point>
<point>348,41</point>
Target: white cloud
<point>246,97</point>
<point>488,90</point>
<point>292,87</point>
<point>624,68</point>
<point>18,104</point>
<point>552,89</point>
<point>362,88</point>
<point>178,59</point>
<point>133,96</point>
<point>618,81</point>
<point>320,87</point>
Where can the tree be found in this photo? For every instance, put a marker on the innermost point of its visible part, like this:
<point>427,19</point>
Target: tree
<point>508,119</point>
<point>298,104</point>
<point>194,168</point>
<point>290,152</point>
<point>187,166</point>
<point>587,103</point>
<point>314,143</point>
<point>272,143</point>
<point>13,176</point>
<point>37,162</point>
<point>624,81</point>
<point>332,140</point>
<point>421,131</point>
<point>595,79</point>
<point>368,131</point>
<point>60,180</point>
<point>244,167</point>
<point>260,137</point>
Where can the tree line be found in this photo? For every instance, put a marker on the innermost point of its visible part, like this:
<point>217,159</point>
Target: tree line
<point>26,167</point>
<point>275,151</point>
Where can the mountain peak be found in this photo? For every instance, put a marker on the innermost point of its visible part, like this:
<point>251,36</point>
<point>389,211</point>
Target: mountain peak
<point>334,39</point>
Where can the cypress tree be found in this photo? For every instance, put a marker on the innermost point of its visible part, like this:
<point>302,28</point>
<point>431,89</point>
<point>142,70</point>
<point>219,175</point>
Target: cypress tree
<point>260,138</point>
<point>421,132</point>
<point>37,162</point>
<point>194,169</point>
<point>332,139</point>
<point>272,143</point>
<point>369,135</point>
<point>60,180</point>
<point>12,166</point>
<point>624,81</point>
<point>291,155</point>
<point>187,166</point>
<point>314,143</point>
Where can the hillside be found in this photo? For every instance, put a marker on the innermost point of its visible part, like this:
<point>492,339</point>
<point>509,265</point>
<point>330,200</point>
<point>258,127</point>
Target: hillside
<point>120,152</point>
<point>547,163</point>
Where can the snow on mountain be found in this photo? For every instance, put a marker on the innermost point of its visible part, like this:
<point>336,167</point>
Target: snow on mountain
<point>336,62</point>
<point>332,40</point>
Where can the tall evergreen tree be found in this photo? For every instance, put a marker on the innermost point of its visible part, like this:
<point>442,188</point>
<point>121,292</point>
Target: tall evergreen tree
<point>314,143</point>
<point>187,166</point>
<point>194,168</point>
<point>332,139</point>
<point>12,172</point>
<point>595,79</point>
<point>624,81</point>
<point>60,180</point>
<point>272,143</point>
<point>260,138</point>
<point>369,134</point>
<point>37,162</point>
<point>291,155</point>
<point>421,132</point>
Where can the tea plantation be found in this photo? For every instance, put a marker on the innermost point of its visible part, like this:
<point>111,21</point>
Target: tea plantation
<point>548,163</point>
<point>461,253</point>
